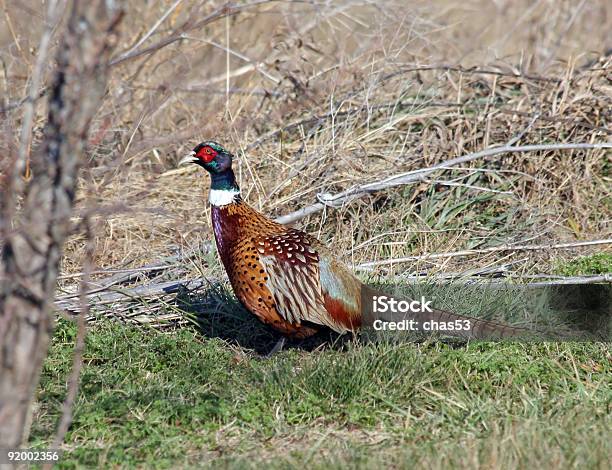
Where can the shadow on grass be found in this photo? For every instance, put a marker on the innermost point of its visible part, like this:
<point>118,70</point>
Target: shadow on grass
<point>216,313</point>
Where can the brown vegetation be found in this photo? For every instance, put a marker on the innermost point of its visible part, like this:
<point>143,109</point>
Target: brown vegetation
<point>317,98</point>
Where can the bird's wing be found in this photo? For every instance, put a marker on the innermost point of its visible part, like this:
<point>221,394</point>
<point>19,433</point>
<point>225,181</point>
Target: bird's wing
<point>302,281</point>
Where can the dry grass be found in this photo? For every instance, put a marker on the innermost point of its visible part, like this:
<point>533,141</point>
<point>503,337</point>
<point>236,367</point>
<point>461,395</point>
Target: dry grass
<point>324,96</point>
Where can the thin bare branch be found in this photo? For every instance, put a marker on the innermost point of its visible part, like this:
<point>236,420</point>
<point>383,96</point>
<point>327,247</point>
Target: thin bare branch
<point>226,10</point>
<point>408,259</point>
<point>410,177</point>
<point>554,280</point>
<point>79,347</point>
<point>153,28</point>
<point>54,13</point>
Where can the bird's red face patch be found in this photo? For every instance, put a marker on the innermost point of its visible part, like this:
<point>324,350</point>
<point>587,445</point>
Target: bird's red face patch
<point>207,154</point>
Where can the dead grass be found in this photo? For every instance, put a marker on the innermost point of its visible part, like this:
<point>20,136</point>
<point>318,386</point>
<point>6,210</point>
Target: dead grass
<point>322,97</point>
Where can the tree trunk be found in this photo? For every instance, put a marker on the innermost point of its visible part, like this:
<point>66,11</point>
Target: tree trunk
<point>34,236</point>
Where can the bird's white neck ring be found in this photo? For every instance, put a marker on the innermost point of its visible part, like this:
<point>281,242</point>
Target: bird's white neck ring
<point>222,197</point>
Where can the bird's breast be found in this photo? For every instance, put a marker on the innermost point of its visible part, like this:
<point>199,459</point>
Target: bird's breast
<point>226,227</point>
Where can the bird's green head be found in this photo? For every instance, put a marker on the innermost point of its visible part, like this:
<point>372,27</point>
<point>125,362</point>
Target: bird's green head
<point>211,156</point>
<point>218,162</point>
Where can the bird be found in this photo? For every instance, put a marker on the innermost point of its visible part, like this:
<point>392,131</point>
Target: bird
<point>289,279</point>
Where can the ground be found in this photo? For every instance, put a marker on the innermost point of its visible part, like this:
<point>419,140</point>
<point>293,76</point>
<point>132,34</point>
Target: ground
<point>168,399</point>
<point>207,395</point>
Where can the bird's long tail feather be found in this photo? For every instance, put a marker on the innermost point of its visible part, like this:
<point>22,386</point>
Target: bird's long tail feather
<point>435,320</point>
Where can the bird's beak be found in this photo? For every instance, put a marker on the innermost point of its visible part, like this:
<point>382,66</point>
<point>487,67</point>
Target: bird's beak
<point>189,158</point>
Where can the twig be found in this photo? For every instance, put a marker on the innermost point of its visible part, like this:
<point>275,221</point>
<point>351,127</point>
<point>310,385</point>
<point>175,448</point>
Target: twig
<point>53,16</point>
<point>117,271</point>
<point>9,23</point>
<point>500,274</point>
<point>475,70</point>
<point>154,27</point>
<point>367,266</point>
<point>503,280</point>
<point>130,275</point>
<point>77,359</point>
<point>255,65</point>
<point>582,280</point>
<point>343,197</point>
<point>115,295</point>
<point>26,99</point>
<point>225,10</point>
<point>520,135</point>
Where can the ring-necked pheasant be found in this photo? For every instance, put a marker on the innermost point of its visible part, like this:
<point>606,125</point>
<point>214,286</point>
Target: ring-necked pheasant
<point>286,277</point>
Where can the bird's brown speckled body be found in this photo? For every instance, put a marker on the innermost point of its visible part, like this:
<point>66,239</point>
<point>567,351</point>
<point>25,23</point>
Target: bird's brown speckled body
<point>275,271</point>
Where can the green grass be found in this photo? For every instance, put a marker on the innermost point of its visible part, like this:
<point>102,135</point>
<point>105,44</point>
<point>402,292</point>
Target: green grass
<point>179,398</point>
<point>599,263</point>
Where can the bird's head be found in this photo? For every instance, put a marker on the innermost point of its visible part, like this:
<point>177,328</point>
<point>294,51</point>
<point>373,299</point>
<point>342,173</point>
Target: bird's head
<point>210,155</point>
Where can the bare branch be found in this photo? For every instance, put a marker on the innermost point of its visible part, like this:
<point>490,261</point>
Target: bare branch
<point>79,347</point>
<point>452,254</point>
<point>54,13</point>
<point>503,280</point>
<point>410,177</point>
<point>157,24</point>
<point>221,12</point>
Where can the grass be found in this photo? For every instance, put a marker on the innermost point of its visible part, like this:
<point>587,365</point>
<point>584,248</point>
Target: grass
<point>205,396</point>
<point>598,263</point>
<point>365,113</point>
<point>163,400</point>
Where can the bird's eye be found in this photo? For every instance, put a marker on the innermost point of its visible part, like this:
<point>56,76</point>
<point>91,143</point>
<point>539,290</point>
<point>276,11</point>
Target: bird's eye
<point>207,154</point>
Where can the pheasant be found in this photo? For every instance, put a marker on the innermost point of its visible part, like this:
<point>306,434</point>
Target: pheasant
<point>289,279</point>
